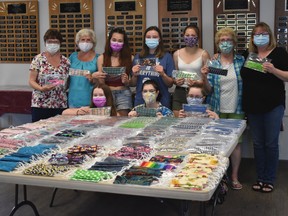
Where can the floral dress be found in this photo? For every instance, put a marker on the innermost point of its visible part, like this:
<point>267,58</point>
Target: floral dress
<point>48,74</point>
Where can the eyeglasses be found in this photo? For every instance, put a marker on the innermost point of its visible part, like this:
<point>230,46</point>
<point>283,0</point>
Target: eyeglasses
<point>150,90</point>
<point>194,96</point>
<point>262,33</point>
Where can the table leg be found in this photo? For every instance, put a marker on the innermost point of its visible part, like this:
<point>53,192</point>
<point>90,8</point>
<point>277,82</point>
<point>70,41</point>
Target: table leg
<point>22,203</point>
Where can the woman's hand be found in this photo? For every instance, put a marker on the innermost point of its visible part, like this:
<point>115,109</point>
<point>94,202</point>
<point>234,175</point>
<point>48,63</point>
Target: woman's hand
<point>99,75</point>
<point>125,79</point>
<point>212,114</point>
<point>179,82</point>
<point>133,113</point>
<point>159,114</point>
<point>159,69</point>
<point>205,70</point>
<point>83,111</point>
<point>46,88</point>
<point>136,70</point>
<point>89,77</point>
<point>268,67</point>
<point>182,114</point>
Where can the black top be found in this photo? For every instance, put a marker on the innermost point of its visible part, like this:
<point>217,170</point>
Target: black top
<point>262,92</point>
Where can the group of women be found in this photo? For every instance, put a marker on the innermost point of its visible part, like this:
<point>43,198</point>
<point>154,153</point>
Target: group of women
<point>260,95</point>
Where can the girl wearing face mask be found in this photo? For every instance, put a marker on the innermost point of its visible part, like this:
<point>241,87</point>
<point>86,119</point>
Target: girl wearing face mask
<point>191,58</point>
<point>225,96</point>
<point>196,95</point>
<point>85,62</point>
<point>161,72</point>
<point>150,94</point>
<point>48,76</point>
<point>117,54</point>
<point>101,96</point>
<point>264,103</point>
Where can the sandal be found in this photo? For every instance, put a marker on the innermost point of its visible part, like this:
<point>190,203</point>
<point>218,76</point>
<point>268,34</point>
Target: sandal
<point>267,188</point>
<point>257,186</point>
<point>236,185</point>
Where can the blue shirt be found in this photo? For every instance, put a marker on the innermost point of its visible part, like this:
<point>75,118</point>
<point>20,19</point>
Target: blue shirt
<point>79,86</point>
<point>168,65</point>
<point>214,98</point>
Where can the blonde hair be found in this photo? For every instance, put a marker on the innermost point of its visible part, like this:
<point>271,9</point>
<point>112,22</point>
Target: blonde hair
<point>225,31</point>
<point>86,32</point>
<point>272,42</point>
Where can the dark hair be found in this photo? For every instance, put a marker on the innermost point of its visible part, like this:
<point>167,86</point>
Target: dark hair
<point>200,86</point>
<point>194,27</point>
<point>53,34</point>
<point>125,55</point>
<point>109,97</point>
<point>155,85</point>
<point>160,51</point>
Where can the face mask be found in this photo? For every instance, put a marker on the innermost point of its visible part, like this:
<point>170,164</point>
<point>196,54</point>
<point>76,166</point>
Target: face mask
<point>261,40</point>
<point>85,47</point>
<point>149,97</point>
<point>152,43</point>
<point>52,48</point>
<point>191,41</point>
<point>99,101</point>
<point>194,100</point>
<point>116,46</point>
<point>226,47</point>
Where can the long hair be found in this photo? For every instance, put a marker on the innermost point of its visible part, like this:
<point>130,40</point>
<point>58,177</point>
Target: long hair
<point>160,51</point>
<point>272,42</point>
<point>125,55</point>
<point>109,98</point>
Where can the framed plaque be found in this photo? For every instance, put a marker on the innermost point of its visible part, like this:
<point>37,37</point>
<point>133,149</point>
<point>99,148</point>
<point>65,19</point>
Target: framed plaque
<point>19,34</point>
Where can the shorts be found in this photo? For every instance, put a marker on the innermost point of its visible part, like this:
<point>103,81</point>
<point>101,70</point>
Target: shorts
<point>122,99</point>
<point>233,116</point>
<point>179,98</point>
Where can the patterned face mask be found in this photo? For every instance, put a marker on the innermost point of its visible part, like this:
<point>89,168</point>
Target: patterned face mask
<point>191,41</point>
<point>194,100</point>
<point>149,97</point>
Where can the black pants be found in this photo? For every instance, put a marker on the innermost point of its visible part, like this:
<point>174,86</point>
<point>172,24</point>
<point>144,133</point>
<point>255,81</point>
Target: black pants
<point>44,113</point>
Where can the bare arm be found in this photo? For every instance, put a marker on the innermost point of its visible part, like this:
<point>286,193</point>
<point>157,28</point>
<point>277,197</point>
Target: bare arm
<point>33,83</point>
<point>99,75</point>
<point>269,67</point>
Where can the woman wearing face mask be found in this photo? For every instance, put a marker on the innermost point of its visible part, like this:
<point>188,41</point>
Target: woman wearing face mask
<point>101,96</point>
<point>191,58</point>
<point>264,103</point>
<point>153,48</point>
<point>80,85</point>
<point>196,95</point>
<point>150,94</point>
<point>225,96</point>
<point>117,54</point>
<point>48,75</point>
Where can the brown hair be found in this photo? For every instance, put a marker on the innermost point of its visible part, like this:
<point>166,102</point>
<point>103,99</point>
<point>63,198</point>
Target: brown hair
<point>200,86</point>
<point>125,57</point>
<point>160,51</point>
<point>272,42</point>
<point>109,97</point>
<point>53,34</point>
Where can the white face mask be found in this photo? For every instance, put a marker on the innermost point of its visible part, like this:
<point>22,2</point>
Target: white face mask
<point>85,47</point>
<point>52,48</point>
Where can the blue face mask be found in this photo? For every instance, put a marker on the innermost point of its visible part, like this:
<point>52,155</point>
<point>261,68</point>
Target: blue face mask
<point>261,40</point>
<point>194,100</point>
<point>226,47</point>
<point>152,43</point>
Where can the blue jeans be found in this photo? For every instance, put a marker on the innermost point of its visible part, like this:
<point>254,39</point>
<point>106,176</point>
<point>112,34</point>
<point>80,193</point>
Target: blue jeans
<point>265,130</point>
<point>122,99</point>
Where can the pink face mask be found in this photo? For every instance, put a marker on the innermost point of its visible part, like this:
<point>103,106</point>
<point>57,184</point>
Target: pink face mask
<point>99,101</point>
<point>116,46</point>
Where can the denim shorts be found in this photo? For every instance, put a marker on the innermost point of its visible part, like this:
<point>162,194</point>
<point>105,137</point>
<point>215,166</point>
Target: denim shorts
<point>122,99</point>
